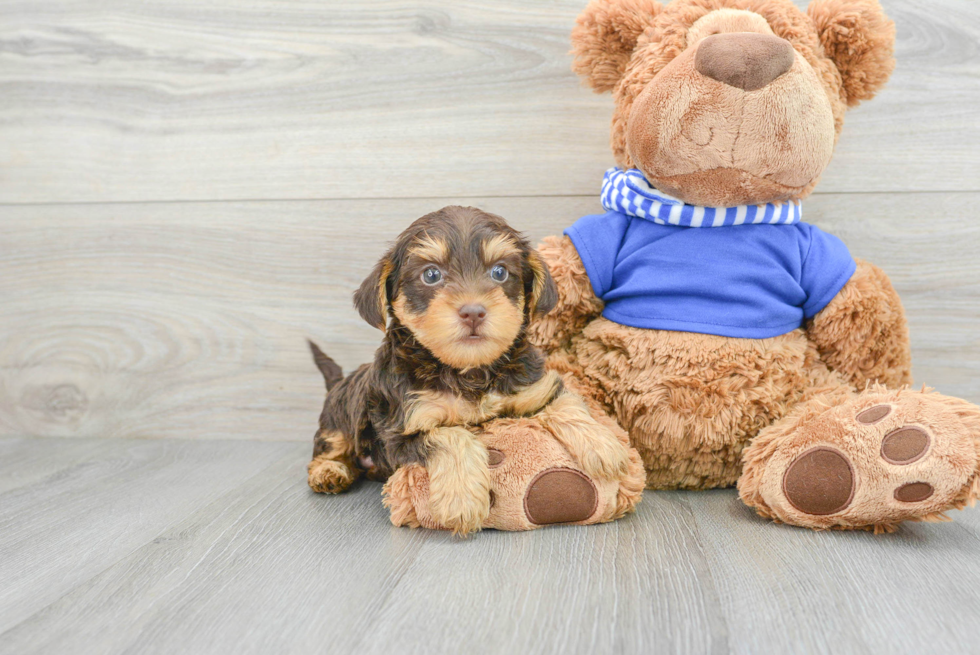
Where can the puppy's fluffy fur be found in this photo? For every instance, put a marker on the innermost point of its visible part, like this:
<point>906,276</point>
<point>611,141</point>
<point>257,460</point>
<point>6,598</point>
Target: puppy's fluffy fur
<point>454,295</point>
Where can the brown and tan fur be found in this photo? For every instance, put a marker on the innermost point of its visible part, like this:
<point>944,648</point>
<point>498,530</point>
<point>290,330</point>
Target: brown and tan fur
<point>439,374</point>
<point>707,411</point>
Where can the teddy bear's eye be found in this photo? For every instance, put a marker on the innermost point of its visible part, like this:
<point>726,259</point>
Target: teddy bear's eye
<point>431,275</point>
<point>499,274</point>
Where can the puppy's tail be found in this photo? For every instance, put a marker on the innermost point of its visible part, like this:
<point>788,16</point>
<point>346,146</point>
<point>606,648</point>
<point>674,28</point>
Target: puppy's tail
<point>332,373</point>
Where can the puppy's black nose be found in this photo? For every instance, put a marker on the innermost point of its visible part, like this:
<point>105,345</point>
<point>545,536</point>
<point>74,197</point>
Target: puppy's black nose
<point>473,315</point>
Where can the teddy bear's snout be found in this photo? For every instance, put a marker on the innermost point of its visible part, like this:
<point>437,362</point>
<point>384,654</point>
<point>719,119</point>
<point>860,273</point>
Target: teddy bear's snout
<point>744,60</point>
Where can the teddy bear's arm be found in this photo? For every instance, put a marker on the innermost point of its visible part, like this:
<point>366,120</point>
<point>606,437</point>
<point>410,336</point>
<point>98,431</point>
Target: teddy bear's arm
<point>577,302</point>
<point>862,333</point>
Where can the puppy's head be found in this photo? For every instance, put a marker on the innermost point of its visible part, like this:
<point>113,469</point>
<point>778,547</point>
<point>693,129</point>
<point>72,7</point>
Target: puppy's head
<point>463,281</point>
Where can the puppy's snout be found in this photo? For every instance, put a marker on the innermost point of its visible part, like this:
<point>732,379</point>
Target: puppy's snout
<point>745,60</point>
<point>472,315</point>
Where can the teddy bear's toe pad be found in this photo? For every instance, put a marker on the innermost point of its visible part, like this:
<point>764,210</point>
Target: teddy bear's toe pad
<point>914,492</point>
<point>819,482</point>
<point>495,457</point>
<point>560,495</point>
<point>874,414</point>
<point>905,445</point>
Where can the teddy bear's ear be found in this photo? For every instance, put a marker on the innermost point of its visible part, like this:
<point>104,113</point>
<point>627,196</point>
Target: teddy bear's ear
<point>860,39</point>
<point>604,38</point>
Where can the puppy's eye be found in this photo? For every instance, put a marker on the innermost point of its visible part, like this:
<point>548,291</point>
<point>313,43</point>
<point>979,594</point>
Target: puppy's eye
<point>431,275</point>
<point>499,274</point>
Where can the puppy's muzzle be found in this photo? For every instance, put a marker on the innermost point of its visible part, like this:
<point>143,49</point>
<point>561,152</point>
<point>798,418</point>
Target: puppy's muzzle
<point>472,316</point>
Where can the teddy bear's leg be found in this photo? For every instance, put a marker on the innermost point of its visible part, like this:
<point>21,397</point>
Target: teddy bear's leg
<point>534,482</point>
<point>866,460</point>
<point>407,488</point>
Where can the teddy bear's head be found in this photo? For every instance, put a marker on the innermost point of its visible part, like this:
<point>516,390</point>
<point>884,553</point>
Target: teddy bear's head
<point>731,102</point>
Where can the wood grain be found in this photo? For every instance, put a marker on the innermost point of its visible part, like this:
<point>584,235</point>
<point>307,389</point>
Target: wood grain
<point>23,462</point>
<point>267,566</point>
<point>135,101</point>
<point>78,520</point>
<point>564,590</point>
<point>189,320</point>
<point>789,590</point>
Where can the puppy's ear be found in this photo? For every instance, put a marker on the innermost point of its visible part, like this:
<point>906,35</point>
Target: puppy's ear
<point>860,39</point>
<point>605,36</point>
<point>373,297</point>
<point>544,292</point>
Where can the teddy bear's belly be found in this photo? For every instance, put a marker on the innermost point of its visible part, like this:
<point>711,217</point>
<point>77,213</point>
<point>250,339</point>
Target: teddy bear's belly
<point>692,401</point>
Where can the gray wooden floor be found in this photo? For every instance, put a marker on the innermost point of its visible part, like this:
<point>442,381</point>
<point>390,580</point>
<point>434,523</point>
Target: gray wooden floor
<point>179,546</point>
<point>188,190</point>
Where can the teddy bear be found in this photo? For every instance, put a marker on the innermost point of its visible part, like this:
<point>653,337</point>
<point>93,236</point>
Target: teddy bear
<point>735,343</point>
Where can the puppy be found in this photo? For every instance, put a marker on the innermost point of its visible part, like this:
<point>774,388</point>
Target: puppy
<point>454,296</point>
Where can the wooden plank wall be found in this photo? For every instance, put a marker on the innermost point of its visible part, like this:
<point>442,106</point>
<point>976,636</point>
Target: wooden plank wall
<point>189,189</point>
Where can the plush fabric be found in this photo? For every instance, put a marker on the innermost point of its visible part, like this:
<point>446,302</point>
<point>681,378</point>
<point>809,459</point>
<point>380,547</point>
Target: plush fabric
<point>813,422</point>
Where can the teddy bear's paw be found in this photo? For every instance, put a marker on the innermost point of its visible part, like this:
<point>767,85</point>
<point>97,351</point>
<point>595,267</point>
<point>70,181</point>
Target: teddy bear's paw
<point>400,492</point>
<point>329,476</point>
<point>560,495</point>
<point>876,461</point>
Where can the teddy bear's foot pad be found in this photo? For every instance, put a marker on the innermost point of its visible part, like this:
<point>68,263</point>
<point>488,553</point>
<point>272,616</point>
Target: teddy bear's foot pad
<point>560,495</point>
<point>819,482</point>
<point>875,461</point>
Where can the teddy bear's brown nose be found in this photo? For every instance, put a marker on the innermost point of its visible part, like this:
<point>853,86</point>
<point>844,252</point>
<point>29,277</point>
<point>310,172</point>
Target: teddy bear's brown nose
<point>745,60</point>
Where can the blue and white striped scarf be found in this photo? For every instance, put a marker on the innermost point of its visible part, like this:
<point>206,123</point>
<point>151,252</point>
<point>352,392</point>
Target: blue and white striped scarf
<point>629,192</point>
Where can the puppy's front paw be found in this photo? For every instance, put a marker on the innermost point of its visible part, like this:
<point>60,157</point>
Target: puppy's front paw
<point>598,450</point>
<point>605,458</point>
<point>459,480</point>
<point>460,510</point>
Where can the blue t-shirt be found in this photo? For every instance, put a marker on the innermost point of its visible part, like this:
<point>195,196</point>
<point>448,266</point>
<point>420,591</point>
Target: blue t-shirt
<point>750,281</point>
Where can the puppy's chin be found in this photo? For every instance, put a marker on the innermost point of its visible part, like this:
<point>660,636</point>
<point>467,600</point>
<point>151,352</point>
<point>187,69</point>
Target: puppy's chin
<point>441,332</point>
<point>468,352</point>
